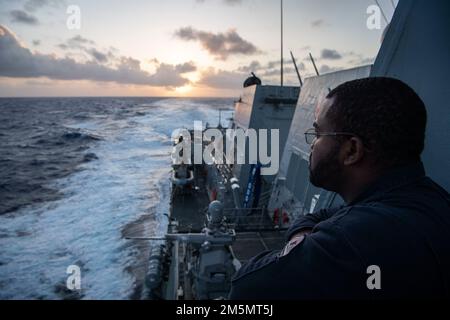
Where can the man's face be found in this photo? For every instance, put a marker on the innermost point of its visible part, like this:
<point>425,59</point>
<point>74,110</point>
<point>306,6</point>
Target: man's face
<point>324,166</point>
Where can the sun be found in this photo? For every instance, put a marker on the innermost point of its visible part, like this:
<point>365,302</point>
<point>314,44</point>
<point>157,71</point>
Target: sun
<point>184,89</point>
<point>190,87</point>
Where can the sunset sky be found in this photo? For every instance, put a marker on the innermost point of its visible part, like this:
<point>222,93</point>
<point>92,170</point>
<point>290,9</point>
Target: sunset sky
<point>175,47</point>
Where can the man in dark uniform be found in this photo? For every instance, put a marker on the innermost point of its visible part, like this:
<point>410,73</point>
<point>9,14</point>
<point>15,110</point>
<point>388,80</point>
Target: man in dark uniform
<point>392,238</point>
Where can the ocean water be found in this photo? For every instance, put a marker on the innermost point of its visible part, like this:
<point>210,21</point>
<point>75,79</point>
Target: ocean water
<point>78,175</point>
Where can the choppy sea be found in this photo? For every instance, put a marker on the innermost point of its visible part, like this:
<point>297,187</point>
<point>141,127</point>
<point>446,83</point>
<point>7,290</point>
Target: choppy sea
<point>78,175</point>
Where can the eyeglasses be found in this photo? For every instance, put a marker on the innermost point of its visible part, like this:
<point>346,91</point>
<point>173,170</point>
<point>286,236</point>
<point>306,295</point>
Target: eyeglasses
<point>311,135</point>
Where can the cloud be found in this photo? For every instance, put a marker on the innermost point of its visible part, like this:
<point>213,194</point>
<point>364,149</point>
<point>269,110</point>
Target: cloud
<point>318,23</point>
<point>369,60</point>
<point>34,5</point>
<point>88,47</point>
<point>76,42</point>
<point>357,59</point>
<point>79,40</point>
<point>360,60</point>
<point>327,69</point>
<point>97,55</point>
<point>252,67</point>
<point>275,72</point>
<point>330,54</point>
<point>63,46</point>
<point>18,61</point>
<point>301,66</point>
<point>220,45</point>
<point>39,83</point>
<point>221,79</point>
<point>233,2</point>
<point>186,67</point>
<point>21,16</point>
<point>229,2</point>
<point>286,61</point>
<point>271,69</point>
<point>273,64</point>
<point>168,75</point>
<point>276,64</point>
<point>268,72</point>
<point>180,68</point>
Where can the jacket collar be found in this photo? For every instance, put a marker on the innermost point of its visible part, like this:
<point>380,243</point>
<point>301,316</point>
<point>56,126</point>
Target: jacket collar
<point>394,178</point>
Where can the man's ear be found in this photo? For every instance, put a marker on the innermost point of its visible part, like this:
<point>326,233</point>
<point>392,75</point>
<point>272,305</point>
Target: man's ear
<point>353,151</point>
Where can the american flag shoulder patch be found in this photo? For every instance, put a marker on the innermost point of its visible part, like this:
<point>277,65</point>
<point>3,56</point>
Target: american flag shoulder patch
<point>295,241</point>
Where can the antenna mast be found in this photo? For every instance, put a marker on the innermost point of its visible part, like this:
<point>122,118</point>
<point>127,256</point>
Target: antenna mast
<point>382,12</point>
<point>314,64</point>
<point>296,70</point>
<point>281,43</point>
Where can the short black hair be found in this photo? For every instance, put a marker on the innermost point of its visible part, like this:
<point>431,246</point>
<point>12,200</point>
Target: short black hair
<point>385,113</point>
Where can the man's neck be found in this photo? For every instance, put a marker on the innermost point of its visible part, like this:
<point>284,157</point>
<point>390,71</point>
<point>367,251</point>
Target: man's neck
<point>359,182</point>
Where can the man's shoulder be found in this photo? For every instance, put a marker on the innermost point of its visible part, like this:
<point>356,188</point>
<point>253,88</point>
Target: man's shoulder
<point>357,222</point>
<point>393,222</point>
<point>387,213</point>
<point>421,201</point>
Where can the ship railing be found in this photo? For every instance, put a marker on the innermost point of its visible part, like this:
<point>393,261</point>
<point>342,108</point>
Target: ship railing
<point>249,218</point>
<point>265,197</point>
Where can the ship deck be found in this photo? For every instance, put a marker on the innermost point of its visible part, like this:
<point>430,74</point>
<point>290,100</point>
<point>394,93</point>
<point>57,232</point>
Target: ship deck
<point>249,244</point>
<point>254,234</point>
<point>189,210</point>
<point>254,229</point>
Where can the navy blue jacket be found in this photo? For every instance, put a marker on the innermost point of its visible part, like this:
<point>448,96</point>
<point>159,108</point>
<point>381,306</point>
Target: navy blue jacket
<point>401,224</point>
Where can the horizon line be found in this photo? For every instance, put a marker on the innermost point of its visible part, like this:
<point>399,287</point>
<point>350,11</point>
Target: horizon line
<point>160,97</point>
